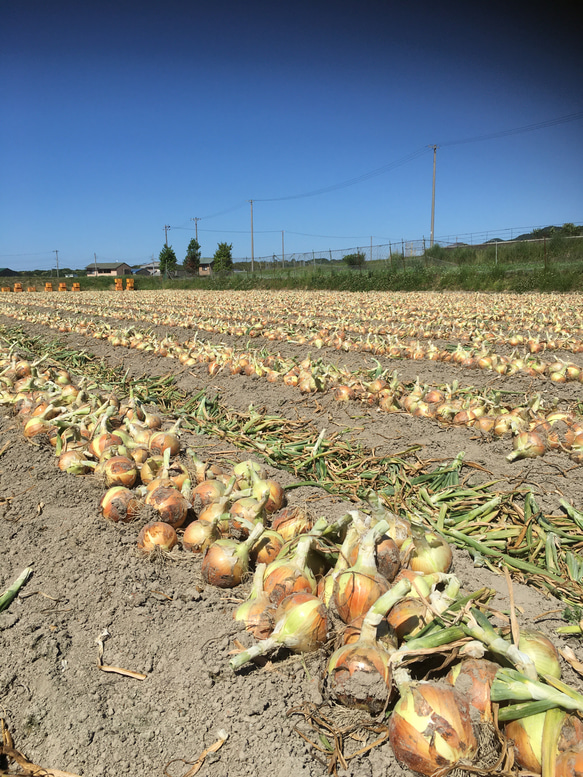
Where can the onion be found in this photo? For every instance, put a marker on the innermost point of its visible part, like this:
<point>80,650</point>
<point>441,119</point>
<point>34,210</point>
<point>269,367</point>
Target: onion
<point>301,625</point>
<point>119,504</point>
<point>569,763</point>
<point>399,528</point>
<point>267,548</point>
<point>427,552</point>
<point>226,562</point>
<point>292,521</point>
<point>208,491</point>
<point>358,587</point>
<point>74,462</point>
<point>408,616</point>
<point>290,575</point>
<point>170,503</point>
<point>248,508</point>
<point>473,679</point>
<point>118,471</point>
<point>160,441</point>
<point>257,611</point>
<point>275,493</point>
<point>527,445</point>
<point>527,734</point>
<point>200,535</point>
<point>430,728</point>
<point>157,534</point>
<point>541,650</point>
<point>388,560</point>
<point>359,674</point>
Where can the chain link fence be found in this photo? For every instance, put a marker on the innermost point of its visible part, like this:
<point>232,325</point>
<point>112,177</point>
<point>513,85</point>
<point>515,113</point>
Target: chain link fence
<point>473,248</point>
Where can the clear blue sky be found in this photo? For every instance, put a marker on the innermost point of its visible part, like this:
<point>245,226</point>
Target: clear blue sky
<point>117,118</point>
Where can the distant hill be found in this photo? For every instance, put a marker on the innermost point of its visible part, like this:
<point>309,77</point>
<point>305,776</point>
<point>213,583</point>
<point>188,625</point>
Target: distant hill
<point>566,230</point>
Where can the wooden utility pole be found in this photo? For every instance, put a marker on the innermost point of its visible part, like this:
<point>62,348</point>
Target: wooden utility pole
<point>95,262</point>
<point>252,251</point>
<point>282,252</point>
<point>196,220</point>
<point>431,237</point>
<point>166,228</point>
<point>57,253</point>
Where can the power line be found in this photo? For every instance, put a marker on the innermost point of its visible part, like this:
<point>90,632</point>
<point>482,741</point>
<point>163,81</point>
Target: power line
<point>351,181</point>
<point>516,130</point>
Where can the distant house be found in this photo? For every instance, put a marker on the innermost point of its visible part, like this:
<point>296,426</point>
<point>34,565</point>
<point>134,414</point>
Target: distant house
<point>206,267</point>
<point>108,269</point>
<point>152,268</point>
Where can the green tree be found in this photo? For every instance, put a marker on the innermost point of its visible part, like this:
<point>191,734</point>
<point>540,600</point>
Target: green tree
<point>167,259</point>
<point>569,229</point>
<point>354,260</point>
<point>223,258</point>
<point>192,259</point>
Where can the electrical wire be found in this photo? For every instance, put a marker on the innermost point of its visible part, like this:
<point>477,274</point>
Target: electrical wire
<point>516,130</point>
<point>351,181</point>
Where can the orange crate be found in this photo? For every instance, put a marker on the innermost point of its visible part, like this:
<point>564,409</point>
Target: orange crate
<point>62,287</point>
<point>18,287</point>
<point>31,288</point>
<point>76,287</point>
<point>130,284</point>
<point>6,288</point>
<point>48,286</point>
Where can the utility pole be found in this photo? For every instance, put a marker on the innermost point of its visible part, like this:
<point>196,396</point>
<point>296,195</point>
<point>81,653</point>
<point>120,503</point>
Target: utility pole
<point>57,253</point>
<point>431,237</point>
<point>166,228</point>
<point>252,252</point>
<point>95,262</point>
<point>196,220</point>
<point>282,252</point>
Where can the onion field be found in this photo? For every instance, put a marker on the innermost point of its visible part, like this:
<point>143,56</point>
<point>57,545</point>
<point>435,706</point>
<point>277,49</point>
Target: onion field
<point>304,532</point>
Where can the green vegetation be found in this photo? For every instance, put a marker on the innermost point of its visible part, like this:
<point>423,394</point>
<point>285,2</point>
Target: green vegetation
<point>168,260</point>
<point>354,260</point>
<point>192,259</point>
<point>554,263</point>
<point>223,258</point>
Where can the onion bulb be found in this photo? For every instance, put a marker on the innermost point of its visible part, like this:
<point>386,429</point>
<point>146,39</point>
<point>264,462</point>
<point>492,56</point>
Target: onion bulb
<point>200,535</point>
<point>118,471</point>
<point>301,625</point>
<point>267,548</point>
<point>292,521</point>
<point>290,575</point>
<point>226,562</point>
<point>119,504</point>
<point>157,534</point>
<point>430,728</point>
<point>170,503</point>
<point>527,445</point>
<point>74,462</point>
<point>426,552</point>
<point>257,611</point>
<point>527,735</point>
<point>473,678</point>
<point>359,586</point>
<point>359,674</point>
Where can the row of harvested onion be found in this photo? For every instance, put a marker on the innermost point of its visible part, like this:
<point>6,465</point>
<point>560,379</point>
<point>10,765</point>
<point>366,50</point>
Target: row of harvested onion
<point>379,583</point>
<point>535,430</point>
<point>539,322</point>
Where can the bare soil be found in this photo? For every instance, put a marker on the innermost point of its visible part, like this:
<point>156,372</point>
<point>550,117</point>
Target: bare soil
<point>66,713</point>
